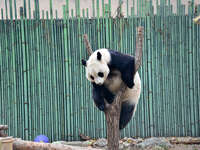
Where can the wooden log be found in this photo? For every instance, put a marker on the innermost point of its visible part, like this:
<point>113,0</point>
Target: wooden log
<point>19,144</point>
<point>29,145</point>
<point>184,140</point>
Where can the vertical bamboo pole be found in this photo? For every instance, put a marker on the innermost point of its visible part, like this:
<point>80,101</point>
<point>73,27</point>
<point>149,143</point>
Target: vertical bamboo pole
<point>66,66</point>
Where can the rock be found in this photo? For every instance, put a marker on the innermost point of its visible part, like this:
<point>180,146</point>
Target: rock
<point>88,143</point>
<point>127,144</point>
<point>100,142</point>
<point>84,137</point>
<point>124,139</point>
<point>151,142</point>
<point>138,140</point>
<point>121,146</point>
<point>133,141</point>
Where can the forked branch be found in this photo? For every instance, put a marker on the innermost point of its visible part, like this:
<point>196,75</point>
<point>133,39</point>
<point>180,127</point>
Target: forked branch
<point>112,111</point>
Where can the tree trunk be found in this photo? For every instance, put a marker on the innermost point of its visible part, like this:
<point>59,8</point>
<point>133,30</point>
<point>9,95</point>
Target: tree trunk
<point>112,114</point>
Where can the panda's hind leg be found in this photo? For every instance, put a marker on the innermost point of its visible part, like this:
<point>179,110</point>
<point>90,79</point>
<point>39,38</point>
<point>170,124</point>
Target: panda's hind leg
<point>127,110</point>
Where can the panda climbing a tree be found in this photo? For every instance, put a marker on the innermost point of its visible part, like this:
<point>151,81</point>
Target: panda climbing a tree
<point>106,70</point>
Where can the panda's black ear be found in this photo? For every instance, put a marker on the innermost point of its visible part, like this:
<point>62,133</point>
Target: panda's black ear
<point>98,56</point>
<point>84,63</point>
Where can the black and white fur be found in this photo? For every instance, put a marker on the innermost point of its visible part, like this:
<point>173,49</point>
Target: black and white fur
<point>107,69</point>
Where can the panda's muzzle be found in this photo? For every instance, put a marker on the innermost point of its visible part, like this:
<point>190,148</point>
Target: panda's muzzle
<point>99,81</point>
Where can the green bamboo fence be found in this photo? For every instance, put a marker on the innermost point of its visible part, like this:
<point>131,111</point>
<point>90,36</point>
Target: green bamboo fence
<point>43,88</point>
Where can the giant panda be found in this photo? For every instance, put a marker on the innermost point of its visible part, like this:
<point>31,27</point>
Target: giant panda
<point>106,70</point>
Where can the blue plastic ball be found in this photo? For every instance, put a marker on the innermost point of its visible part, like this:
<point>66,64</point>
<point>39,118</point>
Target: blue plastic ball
<point>41,138</point>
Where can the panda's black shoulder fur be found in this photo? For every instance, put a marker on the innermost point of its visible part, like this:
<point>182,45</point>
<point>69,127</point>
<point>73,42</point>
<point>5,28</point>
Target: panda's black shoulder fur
<point>125,64</point>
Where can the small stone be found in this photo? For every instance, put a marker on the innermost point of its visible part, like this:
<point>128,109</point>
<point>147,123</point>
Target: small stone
<point>124,139</point>
<point>121,146</point>
<point>127,144</point>
<point>100,142</point>
<point>121,142</point>
<point>84,137</point>
<point>129,140</point>
<point>151,142</point>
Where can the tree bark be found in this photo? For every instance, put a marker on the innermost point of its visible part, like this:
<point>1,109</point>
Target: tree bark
<point>112,115</point>
<point>138,50</point>
<point>87,44</point>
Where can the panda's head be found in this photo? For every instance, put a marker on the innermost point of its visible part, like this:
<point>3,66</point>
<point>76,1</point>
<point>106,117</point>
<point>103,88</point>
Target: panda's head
<point>97,69</point>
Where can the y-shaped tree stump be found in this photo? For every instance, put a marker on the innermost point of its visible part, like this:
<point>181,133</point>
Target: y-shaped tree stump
<point>112,111</point>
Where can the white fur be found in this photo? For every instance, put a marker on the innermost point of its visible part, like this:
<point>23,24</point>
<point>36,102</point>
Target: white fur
<point>92,69</point>
<point>131,95</point>
<point>105,55</point>
<point>94,66</point>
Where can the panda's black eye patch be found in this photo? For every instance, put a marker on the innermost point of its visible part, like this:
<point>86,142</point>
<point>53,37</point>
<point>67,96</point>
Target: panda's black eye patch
<point>100,74</point>
<point>92,77</point>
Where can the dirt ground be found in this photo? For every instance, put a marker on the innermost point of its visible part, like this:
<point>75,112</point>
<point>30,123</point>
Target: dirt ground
<point>177,147</point>
<point>185,147</point>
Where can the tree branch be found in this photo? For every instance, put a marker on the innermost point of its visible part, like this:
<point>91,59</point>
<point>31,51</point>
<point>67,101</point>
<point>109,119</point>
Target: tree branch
<point>138,50</point>
<point>87,44</point>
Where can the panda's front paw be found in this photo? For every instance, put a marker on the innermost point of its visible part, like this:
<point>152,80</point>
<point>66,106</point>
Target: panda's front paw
<point>110,98</point>
<point>101,106</point>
